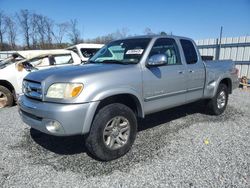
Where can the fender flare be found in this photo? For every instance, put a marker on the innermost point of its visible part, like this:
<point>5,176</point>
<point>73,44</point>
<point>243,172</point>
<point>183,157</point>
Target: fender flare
<point>103,95</point>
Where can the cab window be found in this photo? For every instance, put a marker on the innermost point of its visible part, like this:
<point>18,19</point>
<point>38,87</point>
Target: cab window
<point>189,51</point>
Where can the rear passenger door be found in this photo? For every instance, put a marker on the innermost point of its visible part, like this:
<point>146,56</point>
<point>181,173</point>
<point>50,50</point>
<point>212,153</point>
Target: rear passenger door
<point>195,71</point>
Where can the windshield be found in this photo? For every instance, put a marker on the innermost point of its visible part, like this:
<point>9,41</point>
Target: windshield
<point>127,51</point>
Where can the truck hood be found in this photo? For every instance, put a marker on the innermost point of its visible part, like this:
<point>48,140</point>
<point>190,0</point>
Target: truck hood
<point>69,73</point>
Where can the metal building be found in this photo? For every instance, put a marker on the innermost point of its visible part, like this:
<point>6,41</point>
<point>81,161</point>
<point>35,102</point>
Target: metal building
<point>237,49</point>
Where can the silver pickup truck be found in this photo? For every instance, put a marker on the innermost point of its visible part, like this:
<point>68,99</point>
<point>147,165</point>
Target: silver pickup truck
<point>125,80</point>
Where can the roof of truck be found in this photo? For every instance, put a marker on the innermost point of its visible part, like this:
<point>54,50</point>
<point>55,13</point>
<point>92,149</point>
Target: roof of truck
<point>158,36</point>
<point>86,45</point>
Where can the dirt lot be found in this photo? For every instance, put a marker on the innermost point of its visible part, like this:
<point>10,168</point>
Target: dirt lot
<point>181,147</point>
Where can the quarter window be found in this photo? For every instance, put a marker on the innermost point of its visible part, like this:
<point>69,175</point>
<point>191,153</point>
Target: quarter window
<point>189,51</point>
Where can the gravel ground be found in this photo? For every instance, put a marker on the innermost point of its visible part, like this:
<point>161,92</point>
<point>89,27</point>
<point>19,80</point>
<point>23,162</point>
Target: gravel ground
<point>181,147</point>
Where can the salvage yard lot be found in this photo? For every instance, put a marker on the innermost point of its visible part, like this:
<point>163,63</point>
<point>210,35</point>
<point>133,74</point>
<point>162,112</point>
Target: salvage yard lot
<point>181,147</point>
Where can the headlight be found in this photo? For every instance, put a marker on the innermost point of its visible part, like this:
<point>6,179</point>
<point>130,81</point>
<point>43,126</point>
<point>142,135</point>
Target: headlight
<point>64,90</point>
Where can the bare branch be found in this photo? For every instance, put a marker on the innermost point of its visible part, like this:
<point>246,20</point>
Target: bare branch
<point>61,30</point>
<point>24,18</point>
<point>2,28</point>
<point>11,31</point>
<point>74,33</point>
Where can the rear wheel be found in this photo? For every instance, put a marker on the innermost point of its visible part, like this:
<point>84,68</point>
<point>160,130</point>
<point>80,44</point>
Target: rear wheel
<point>6,98</point>
<point>218,103</point>
<point>112,133</point>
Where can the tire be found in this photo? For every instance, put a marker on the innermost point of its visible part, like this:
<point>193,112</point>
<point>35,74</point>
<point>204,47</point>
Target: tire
<point>105,127</point>
<point>6,97</point>
<point>218,103</point>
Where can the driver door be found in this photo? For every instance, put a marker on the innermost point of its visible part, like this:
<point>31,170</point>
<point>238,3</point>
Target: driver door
<point>164,86</point>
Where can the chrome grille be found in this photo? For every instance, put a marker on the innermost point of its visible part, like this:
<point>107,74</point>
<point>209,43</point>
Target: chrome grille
<point>32,89</point>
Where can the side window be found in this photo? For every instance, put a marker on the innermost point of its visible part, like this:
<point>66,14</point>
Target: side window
<point>168,47</point>
<point>189,51</point>
<point>40,62</point>
<point>88,52</point>
<point>52,60</point>
<point>74,50</point>
<point>63,59</point>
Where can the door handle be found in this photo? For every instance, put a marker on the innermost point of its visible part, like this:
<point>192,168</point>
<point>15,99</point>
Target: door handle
<point>191,71</point>
<point>180,72</point>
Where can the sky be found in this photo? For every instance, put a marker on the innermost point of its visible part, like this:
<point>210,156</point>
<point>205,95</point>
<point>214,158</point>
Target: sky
<point>198,19</point>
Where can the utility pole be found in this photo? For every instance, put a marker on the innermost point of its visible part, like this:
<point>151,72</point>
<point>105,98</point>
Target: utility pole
<point>219,44</point>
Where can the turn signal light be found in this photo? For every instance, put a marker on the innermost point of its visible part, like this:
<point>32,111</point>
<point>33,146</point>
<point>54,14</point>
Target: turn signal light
<point>76,91</point>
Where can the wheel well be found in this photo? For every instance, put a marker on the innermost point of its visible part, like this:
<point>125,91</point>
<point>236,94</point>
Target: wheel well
<point>228,83</point>
<point>8,85</point>
<point>127,99</point>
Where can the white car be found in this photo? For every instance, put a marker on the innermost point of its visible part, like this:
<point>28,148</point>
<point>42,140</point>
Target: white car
<point>85,50</point>
<point>16,67</point>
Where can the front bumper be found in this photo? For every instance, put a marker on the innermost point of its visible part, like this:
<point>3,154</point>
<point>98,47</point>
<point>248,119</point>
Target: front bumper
<point>74,119</point>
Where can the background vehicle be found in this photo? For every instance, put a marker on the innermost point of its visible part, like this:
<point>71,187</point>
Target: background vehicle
<point>16,67</point>
<point>126,80</point>
<point>85,50</point>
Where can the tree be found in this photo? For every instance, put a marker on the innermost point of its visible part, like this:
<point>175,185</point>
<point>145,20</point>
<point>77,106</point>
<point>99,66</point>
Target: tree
<point>148,31</point>
<point>38,34</point>
<point>2,28</point>
<point>61,30</point>
<point>109,37</point>
<point>120,33</point>
<point>48,27</point>
<point>42,31</point>
<point>11,31</point>
<point>163,33</point>
<point>24,18</point>
<point>74,33</point>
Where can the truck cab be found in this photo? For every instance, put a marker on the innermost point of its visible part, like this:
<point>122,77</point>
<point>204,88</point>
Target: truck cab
<point>85,50</point>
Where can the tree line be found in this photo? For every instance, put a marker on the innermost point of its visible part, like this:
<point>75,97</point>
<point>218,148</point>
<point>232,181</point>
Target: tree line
<point>36,30</point>
<point>41,32</point>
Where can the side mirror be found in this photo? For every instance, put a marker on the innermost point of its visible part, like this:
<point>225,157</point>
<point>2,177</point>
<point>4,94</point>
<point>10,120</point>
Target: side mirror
<point>157,60</point>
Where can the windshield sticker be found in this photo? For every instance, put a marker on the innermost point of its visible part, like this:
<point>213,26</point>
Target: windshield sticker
<point>135,51</point>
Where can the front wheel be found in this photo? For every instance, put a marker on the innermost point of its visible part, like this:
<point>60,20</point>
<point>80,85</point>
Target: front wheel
<point>112,133</point>
<point>218,103</point>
